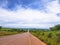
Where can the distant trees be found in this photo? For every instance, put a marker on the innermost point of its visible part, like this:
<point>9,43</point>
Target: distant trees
<point>17,30</point>
<point>0,27</point>
<point>57,27</point>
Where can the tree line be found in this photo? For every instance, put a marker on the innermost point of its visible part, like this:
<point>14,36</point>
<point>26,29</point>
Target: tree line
<point>55,28</point>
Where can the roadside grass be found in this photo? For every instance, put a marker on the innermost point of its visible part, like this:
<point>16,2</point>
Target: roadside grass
<point>10,31</point>
<point>49,37</point>
<point>4,33</point>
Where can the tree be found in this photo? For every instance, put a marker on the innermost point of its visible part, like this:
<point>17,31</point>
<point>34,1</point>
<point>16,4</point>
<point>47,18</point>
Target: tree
<point>0,27</point>
<point>52,28</point>
<point>56,27</point>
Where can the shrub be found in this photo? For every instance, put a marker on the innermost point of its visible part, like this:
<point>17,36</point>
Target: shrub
<point>58,38</point>
<point>50,35</point>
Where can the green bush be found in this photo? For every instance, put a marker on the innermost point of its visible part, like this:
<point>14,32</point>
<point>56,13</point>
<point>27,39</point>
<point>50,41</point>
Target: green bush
<point>58,37</point>
<point>50,35</point>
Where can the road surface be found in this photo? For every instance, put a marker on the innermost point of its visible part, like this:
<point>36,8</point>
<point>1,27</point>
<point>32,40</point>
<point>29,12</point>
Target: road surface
<point>20,39</point>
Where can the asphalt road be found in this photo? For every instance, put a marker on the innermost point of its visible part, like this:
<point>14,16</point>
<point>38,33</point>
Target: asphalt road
<point>20,39</point>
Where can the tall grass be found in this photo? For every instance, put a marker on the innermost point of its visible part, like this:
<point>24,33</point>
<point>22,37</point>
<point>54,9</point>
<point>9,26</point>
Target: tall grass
<point>49,37</point>
<point>10,31</point>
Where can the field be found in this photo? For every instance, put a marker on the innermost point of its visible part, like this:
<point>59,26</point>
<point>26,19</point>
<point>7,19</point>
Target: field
<point>10,31</point>
<point>47,36</point>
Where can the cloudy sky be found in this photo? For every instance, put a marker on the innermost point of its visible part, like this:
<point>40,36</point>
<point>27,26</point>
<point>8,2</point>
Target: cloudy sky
<point>29,13</point>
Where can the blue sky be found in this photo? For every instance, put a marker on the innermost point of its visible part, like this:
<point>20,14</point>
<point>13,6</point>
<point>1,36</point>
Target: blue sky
<point>29,13</point>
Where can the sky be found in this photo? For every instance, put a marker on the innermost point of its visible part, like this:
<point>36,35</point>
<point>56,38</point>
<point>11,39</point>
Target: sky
<point>29,13</point>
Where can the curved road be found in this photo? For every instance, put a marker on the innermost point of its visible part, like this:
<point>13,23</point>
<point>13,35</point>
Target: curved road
<point>20,39</point>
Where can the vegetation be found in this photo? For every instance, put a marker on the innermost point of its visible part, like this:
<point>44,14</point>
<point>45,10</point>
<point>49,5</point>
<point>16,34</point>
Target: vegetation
<point>10,31</point>
<point>0,27</point>
<point>55,28</point>
<point>50,37</point>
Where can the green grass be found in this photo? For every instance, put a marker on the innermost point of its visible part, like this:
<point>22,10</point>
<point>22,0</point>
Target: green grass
<point>4,33</point>
<point>10,31</point>
<point>49,37</point>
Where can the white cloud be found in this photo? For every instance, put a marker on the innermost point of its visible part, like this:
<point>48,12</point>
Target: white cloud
<point>54,7</point>
<point>31,18</point>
